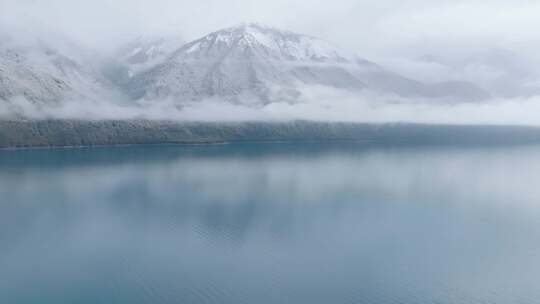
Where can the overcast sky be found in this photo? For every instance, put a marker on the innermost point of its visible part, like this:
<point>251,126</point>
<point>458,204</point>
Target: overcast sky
<point>367,27</point>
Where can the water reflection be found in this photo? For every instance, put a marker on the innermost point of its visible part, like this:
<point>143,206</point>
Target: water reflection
<point>270,223</point>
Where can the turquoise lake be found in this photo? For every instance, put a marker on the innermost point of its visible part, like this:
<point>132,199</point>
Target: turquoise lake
<point>339,222</point>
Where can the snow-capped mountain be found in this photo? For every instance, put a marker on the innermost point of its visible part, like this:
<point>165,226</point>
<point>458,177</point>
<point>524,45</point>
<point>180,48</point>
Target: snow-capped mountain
<point>248,60</point>
<point>18,78</point>
<point>249,63</point>
<point>254,63</point>
<point>43,75</point>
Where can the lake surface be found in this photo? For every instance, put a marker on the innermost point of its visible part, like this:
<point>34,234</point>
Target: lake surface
<point>270,223</point>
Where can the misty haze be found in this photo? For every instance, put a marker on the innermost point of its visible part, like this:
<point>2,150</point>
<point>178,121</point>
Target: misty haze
<point>269,151</point>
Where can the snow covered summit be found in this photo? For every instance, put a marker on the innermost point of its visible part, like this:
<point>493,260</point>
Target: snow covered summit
<point>273,43</point>
<point>254,64</point>
<point>251,62</point>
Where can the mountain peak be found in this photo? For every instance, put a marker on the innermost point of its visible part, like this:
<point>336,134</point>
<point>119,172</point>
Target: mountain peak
<point>268,42</point>
<point>257,64</point>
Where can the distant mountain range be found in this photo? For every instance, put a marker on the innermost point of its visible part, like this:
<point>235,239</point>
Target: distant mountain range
<point>255,63</point>
<point>249,63</point>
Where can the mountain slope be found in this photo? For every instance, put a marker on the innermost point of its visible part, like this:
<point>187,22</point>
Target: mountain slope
<point>44,76</point>
<point>139,55</point>
<point>18,78</point>
<point>246,60</point>
<point>257,64</point>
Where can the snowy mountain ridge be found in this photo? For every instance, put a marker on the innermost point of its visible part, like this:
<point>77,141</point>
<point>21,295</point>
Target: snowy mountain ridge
<point>249,63</point>
<point>278,44</point>
<point>41,75</point>
<point>257,63</point>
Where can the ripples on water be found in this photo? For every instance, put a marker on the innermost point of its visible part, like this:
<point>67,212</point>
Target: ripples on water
<point>270,223</point>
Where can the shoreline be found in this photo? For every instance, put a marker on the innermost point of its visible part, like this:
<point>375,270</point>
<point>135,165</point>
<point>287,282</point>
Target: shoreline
<point>69,134</point>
